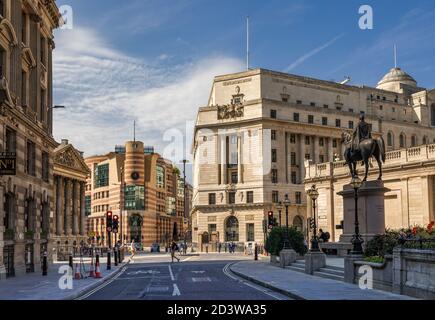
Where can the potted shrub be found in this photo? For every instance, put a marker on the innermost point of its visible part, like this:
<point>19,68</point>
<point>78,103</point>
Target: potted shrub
<point>275,241</point>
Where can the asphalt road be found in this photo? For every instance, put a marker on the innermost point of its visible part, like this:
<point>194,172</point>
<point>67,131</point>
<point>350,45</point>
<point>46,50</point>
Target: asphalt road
<point>207,277</point>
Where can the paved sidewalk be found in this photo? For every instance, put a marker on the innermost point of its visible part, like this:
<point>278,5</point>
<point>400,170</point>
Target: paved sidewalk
<point>34,286</point>
<point>301,286</point>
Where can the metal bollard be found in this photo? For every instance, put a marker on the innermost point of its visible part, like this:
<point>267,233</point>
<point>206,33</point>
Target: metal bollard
<point>256,252</point>
<point>115,256</point>
<point>71,264</point>
<point>109,266</point>
<point>44,264</point>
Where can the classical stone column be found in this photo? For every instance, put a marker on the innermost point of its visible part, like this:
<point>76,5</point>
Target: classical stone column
<point>223,154</point>
<point>330,150</point>
<point>68,217</point>
<point>59,206</point>
<point>301,157</point>
<point>76,207</point>
<point>316,158</point>
<point>239,159</point>
<point>82,209</point>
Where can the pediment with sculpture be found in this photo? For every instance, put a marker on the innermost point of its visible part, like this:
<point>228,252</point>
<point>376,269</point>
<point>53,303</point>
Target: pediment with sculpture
<point>68,156</point>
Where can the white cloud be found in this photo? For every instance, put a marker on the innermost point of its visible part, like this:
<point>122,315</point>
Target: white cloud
<point>104,90</point>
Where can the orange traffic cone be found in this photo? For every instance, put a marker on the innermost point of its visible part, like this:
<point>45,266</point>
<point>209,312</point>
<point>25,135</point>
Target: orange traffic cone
<point>77,275</point>
<point>92,270</point>
<point>97,270</point>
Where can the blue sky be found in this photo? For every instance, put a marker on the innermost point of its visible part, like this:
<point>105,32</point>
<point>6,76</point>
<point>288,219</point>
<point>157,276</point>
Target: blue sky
<point>155,59</point>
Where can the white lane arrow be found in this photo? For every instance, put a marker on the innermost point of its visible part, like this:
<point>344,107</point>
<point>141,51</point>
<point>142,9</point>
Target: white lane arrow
<point>176,291</point>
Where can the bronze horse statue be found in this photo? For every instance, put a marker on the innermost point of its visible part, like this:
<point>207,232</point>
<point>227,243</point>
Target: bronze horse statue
<point>367,148</point>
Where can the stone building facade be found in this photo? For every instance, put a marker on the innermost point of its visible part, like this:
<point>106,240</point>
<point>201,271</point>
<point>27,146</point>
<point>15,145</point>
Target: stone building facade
<point>259,128</point>
<point>26,199</point>
<point>139,186</point>
<point>69,221</point>
<point>409,174</point>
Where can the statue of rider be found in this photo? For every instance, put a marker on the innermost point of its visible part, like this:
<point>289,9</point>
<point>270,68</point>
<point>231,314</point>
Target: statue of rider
<point>362,132</point>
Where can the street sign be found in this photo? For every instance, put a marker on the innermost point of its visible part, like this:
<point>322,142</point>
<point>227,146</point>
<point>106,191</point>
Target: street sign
<point>8,163</point>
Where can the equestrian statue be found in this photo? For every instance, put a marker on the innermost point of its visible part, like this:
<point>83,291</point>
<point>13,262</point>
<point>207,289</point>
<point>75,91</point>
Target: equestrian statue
<point>360,146</point>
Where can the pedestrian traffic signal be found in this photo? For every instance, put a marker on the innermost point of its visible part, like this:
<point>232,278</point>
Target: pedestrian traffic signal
<point>115,224</point>
<point>270,220</point>
<point>109,221</point>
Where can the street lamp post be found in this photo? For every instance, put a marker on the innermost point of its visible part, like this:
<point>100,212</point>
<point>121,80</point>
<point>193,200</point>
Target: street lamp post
<point>185,205</point>
<point>314,194</point>
<point>279,208</point>
<point>357,241</point>
<point>286,237</point>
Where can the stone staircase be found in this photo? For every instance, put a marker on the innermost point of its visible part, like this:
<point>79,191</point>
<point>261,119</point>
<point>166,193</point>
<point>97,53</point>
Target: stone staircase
<point>329,272</point>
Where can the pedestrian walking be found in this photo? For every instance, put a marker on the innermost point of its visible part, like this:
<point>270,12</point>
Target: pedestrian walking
<point>219,247</point>
<point>174,248</point>
<point>133,249</point>
<point>226,247</point>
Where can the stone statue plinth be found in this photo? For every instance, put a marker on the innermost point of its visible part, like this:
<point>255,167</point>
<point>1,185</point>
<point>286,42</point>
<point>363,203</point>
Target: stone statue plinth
<point>287,257</point>
<point>371,210</point>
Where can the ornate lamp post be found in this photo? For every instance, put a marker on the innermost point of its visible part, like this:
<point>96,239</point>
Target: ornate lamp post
<point>279,208</point>
<point>286,238</point>
<point>357,241</point>
<point>314,194</point>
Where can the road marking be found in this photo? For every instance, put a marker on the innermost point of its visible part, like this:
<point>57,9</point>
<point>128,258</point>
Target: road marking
<point>170,272</point>
<point>228,273</point>
<point>204,279</point>
<point>103,285</point>
<point>144,272</point>
<point>198,272</point>
<point>176,291</point>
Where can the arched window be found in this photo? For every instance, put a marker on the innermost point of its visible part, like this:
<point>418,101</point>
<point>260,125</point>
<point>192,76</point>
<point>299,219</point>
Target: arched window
<point>298,223</point>
<point>413,141</point>
<point>390,139</point>
<point>232,229</point>
<point>402,141</point>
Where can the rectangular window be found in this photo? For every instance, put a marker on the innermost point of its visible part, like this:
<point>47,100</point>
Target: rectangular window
<point>88,205</point>
<point>350,110</point>
<point>212,228</point>
<point>324,121</point>
<point>298,196</point>
<point>43,52</point>
<point>42,105</point>
<point>273,135</point>
<point>273,114</point>
<point>296,117</point>
<point>307,156</point>
<point>45,166</point>
<point>160,182</point>
<point>338,123</point>
<point>275,196</point>
<point>231,197</point>
<point>311,119</point>
<point>31,158</point>
<point>313,104</point>
<point>134,197</point>
<point>351,125</point>
<point>274,175</point>
<point>293,177</point>
<point>274,156</point>
<point>292,138</point>
<point>325,106</point>
<point>307,140</point>
<point>250,197</point>
<point>293,158</point>
<point>298,102</point>
<point>250,232</point>
<point>11,140</point>
<point>24,88</point>
<point>334,143</point>
<point>101,176</point>
<point>321,158</point>
<point>234,177</point>
<point>321,142</point>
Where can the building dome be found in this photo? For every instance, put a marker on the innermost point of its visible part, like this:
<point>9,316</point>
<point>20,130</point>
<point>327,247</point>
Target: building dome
<point>392,80</point>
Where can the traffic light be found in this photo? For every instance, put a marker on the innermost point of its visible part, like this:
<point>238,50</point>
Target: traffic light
<point>109,221</point>
<point>115,224</point>
<point>270,220</point>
